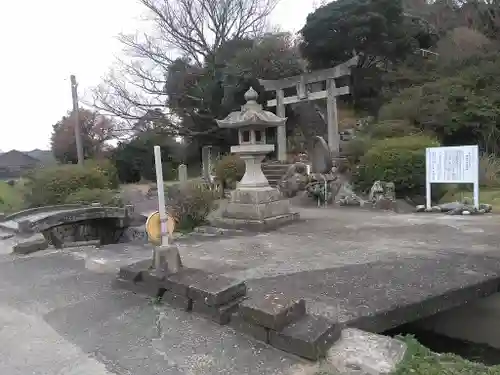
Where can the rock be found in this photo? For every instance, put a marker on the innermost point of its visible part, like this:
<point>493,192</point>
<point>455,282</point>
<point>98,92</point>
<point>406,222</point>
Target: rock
<point>321,156</point>
<point>294,180</point>
<point>481,211</point>
<point>420,208</point>
<point>465,212</point>
<point>30,244</point>
<point>436,209</point>
<point>359,352</point>
<point>486,207</point>
<point>456,211</point>
<point>446,207</point>
<point>428,210</point>
<point>375,191</point>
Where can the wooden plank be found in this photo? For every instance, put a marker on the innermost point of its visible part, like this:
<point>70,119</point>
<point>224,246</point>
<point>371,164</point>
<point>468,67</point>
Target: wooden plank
<point>345,90</point>
<point>319,75</point>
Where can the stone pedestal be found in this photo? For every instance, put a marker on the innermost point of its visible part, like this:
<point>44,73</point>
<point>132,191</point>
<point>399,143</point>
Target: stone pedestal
<point>257,209</point>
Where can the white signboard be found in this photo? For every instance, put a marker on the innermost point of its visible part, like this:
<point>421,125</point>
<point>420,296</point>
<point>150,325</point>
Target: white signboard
<point>452,165</point>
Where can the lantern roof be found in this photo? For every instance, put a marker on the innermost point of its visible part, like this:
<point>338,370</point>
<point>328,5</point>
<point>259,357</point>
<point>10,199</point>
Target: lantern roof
<point>251,114</point>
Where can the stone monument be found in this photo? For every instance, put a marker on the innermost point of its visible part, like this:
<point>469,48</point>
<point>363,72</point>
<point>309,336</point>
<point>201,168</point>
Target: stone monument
<point>254,204</point>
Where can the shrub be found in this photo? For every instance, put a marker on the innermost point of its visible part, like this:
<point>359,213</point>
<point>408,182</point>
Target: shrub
<point>229,170</point>
<point>190,203</point>
<point>49,186</point>
<point>355,148</point>
<point>88,196</point>
<point>400,160</point>
<point>107,168</point>
<point>391,129</point>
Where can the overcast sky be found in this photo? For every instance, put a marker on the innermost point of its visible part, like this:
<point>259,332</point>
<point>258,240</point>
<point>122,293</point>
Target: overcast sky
<point>43,42</point>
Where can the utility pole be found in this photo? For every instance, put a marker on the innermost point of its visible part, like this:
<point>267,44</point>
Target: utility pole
<point>76,117</point>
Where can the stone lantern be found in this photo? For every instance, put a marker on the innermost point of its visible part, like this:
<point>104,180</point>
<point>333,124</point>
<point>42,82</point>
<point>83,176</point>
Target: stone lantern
<point>254,204</point>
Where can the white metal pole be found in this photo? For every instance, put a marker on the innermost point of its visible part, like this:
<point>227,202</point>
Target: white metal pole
<point>161,196</point>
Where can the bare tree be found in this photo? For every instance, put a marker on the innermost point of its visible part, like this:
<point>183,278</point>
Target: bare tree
<point>191,29</point>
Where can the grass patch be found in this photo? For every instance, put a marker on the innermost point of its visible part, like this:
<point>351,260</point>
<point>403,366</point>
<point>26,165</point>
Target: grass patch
<point>11,197</point>
<point>421,361</point>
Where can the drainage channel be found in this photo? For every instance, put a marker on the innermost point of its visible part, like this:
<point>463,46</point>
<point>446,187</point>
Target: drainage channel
<point>438,343</point>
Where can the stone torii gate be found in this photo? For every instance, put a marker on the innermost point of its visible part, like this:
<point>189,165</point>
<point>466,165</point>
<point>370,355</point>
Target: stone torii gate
<point>304,84</point>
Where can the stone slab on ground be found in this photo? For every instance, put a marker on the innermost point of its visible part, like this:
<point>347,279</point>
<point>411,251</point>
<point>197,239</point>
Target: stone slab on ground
<point>372,270</point>
<point>220,314</point>
<point>274,311</point>
<point>31,244</point>
<point>133,272</point>
<point>216,290</point>
<point>241,325</point>
<point>179,282</point>
<point>309,337</point>
<point>176,300</point>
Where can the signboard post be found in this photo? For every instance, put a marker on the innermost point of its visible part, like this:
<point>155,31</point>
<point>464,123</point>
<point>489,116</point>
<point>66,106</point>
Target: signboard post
<point>452,165</point>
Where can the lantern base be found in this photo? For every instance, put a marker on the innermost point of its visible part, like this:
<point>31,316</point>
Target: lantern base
<point>263,225</point>
<point>256,209</point>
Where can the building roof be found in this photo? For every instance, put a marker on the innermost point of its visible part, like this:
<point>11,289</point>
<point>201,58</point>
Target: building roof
<point>15,158</point>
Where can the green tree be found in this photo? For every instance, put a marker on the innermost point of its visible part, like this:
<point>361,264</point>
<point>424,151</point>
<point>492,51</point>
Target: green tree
<point>201,95</point>
<point>134,159</point>
<point>378,31</point>
<point>375,29</point>
<point>463,108</point>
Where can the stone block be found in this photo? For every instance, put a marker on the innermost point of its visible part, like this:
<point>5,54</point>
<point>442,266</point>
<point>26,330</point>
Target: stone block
<point>216,290</point>
<point>28,245</point>
<point>179,282</point>
<point>309,337</point>
<point>241,325</point>
<point>176,300</point>
<point>274,311</point>
<point>258,211</point>
<point>133,272</point>
<point>220,314</point>
<point>255,225</point>
<point>255,196</point>
<point>131,286</point>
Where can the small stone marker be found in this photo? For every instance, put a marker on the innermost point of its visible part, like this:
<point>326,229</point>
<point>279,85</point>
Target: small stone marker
<point>182,173</point>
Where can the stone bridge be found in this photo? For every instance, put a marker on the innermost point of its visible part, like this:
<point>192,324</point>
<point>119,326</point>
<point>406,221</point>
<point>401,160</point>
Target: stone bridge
<point>69,225</point>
